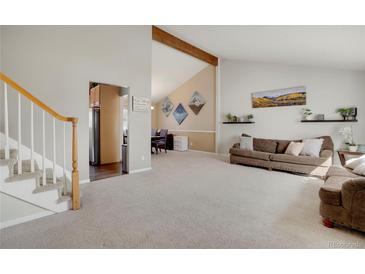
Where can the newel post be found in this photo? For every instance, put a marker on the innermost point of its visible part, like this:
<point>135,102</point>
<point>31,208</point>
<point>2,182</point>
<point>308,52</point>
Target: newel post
<point>75,170</point>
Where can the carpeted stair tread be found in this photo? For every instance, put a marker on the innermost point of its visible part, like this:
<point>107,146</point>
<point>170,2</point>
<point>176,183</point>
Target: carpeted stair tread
<point>24,176</point>
<point>63,198</point>
<point>7,162</point>
<point>26,166</point>
<point>49,186</point>
<point>13,153</point>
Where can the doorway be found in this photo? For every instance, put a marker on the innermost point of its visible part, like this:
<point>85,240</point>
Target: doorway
<point>108,130</point>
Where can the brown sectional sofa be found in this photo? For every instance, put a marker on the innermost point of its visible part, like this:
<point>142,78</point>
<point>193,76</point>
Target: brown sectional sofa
<point>343,198</point>
<point>269,153</point>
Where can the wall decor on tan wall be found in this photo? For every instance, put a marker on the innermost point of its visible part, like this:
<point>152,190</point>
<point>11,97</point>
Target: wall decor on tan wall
<point>180,114</point>
<point>167,106</point>
<point>196,102</point>
<point>279,97</point>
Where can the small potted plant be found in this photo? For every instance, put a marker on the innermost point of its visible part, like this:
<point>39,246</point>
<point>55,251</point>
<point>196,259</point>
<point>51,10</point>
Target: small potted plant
<point>345,112</point>
<point>249,117</point>
<point>235,118</point>
<point>307,113</point>
<point>349,139</point>
<point>229,117</point>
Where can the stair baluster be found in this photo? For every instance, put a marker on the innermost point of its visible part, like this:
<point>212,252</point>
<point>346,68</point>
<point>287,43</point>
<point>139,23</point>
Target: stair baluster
<point>19,134</point>
<point>64,157</point>
<point>54,150</point>
<point>44,181</point>
<point>6,122</point>
<point>31,138</point>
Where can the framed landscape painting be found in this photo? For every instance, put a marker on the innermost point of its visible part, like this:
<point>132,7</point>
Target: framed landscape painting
<point>280,97</point>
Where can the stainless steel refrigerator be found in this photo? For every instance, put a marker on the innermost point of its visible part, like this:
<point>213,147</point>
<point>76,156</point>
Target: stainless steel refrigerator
<point>94,136</point>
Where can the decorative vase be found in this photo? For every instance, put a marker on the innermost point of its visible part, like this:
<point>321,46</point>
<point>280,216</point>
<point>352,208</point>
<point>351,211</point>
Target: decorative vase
<point>353,148</point>
<point>308,117</point>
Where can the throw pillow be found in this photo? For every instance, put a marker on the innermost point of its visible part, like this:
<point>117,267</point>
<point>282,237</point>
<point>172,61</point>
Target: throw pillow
<point>312,147</point>
<point>360,169</point>
<point>264,145</point>
<point>294,148</point>
<point>282,146</point>
<point>353,163</point>
<point>246,143</point>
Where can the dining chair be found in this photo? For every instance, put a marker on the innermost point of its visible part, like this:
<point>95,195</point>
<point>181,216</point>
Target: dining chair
<point>162,143</point>
<point>153,145</point>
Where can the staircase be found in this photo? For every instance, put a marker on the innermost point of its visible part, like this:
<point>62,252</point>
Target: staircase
<point>27,175</point>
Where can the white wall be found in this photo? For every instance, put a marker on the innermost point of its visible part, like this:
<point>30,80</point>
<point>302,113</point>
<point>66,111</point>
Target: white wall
<point>327,90</point>
<point>56,63</point>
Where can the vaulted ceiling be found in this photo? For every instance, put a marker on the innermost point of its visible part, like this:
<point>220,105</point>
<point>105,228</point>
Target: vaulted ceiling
<point>341,47</point>
<point>170,69</point>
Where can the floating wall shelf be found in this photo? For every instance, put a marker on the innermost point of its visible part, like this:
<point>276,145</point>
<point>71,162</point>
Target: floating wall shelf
<point>329,121</point>
<point>238,122</point>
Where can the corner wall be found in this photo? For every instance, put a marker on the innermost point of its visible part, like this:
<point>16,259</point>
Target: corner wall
<point>327,90</point>
<point>56,63</point>
<point>199,128</point>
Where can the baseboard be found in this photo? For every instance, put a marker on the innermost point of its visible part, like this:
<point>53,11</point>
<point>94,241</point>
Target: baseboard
<point>86,181</point>
<point>207,152</point>
<point>25,219</point>
<point>140,170</point>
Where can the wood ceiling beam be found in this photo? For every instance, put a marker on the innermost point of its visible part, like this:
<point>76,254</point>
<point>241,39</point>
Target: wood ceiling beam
<point>170,40</point>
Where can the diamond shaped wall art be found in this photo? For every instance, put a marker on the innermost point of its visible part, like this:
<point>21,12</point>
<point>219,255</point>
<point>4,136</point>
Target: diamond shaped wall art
<point>180,114</point>
<point>167,106</point>
<point>196,102</point>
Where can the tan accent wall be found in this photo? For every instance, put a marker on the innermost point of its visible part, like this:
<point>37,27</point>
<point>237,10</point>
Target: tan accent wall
<point>203,82</point>
<point>202,141</point>
<point>109,124</point>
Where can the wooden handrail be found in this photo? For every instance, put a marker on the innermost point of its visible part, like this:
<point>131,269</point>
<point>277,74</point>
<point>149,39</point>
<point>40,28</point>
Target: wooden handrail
<point>39,103</point>
<point>75,172</point>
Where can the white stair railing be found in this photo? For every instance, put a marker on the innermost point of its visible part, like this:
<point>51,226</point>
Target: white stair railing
<point>19,134</point>
<point>31,138</point>
<point>6,122</point>
<point>54,151</point>
<point>64,156</point>
<point>75,174</point>
<point>44,179</point>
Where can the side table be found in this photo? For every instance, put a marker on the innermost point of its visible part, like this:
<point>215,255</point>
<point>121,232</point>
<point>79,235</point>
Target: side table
<point>342,155</point>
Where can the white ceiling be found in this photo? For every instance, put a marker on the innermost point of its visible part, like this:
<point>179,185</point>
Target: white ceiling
<point>170,69</point>
<point>340,47</point>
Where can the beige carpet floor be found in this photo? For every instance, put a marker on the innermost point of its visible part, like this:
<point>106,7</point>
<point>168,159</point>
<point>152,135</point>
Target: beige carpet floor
<point>190,200</point>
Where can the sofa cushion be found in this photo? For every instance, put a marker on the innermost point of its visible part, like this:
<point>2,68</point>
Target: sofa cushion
<point>340,171</point>
<point>312,147</point>
<point>294,148</point>
<point>250,153</point>
<point>354,162</point>
<point>302,160</point>
<point>246,142</point>
<point>234,159</point>
<point>299,168</point>
<point>264,145</point>
<point>330,192</point>
<point>360,169</point>
<point>282,146</point>
<point>327,143</point>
